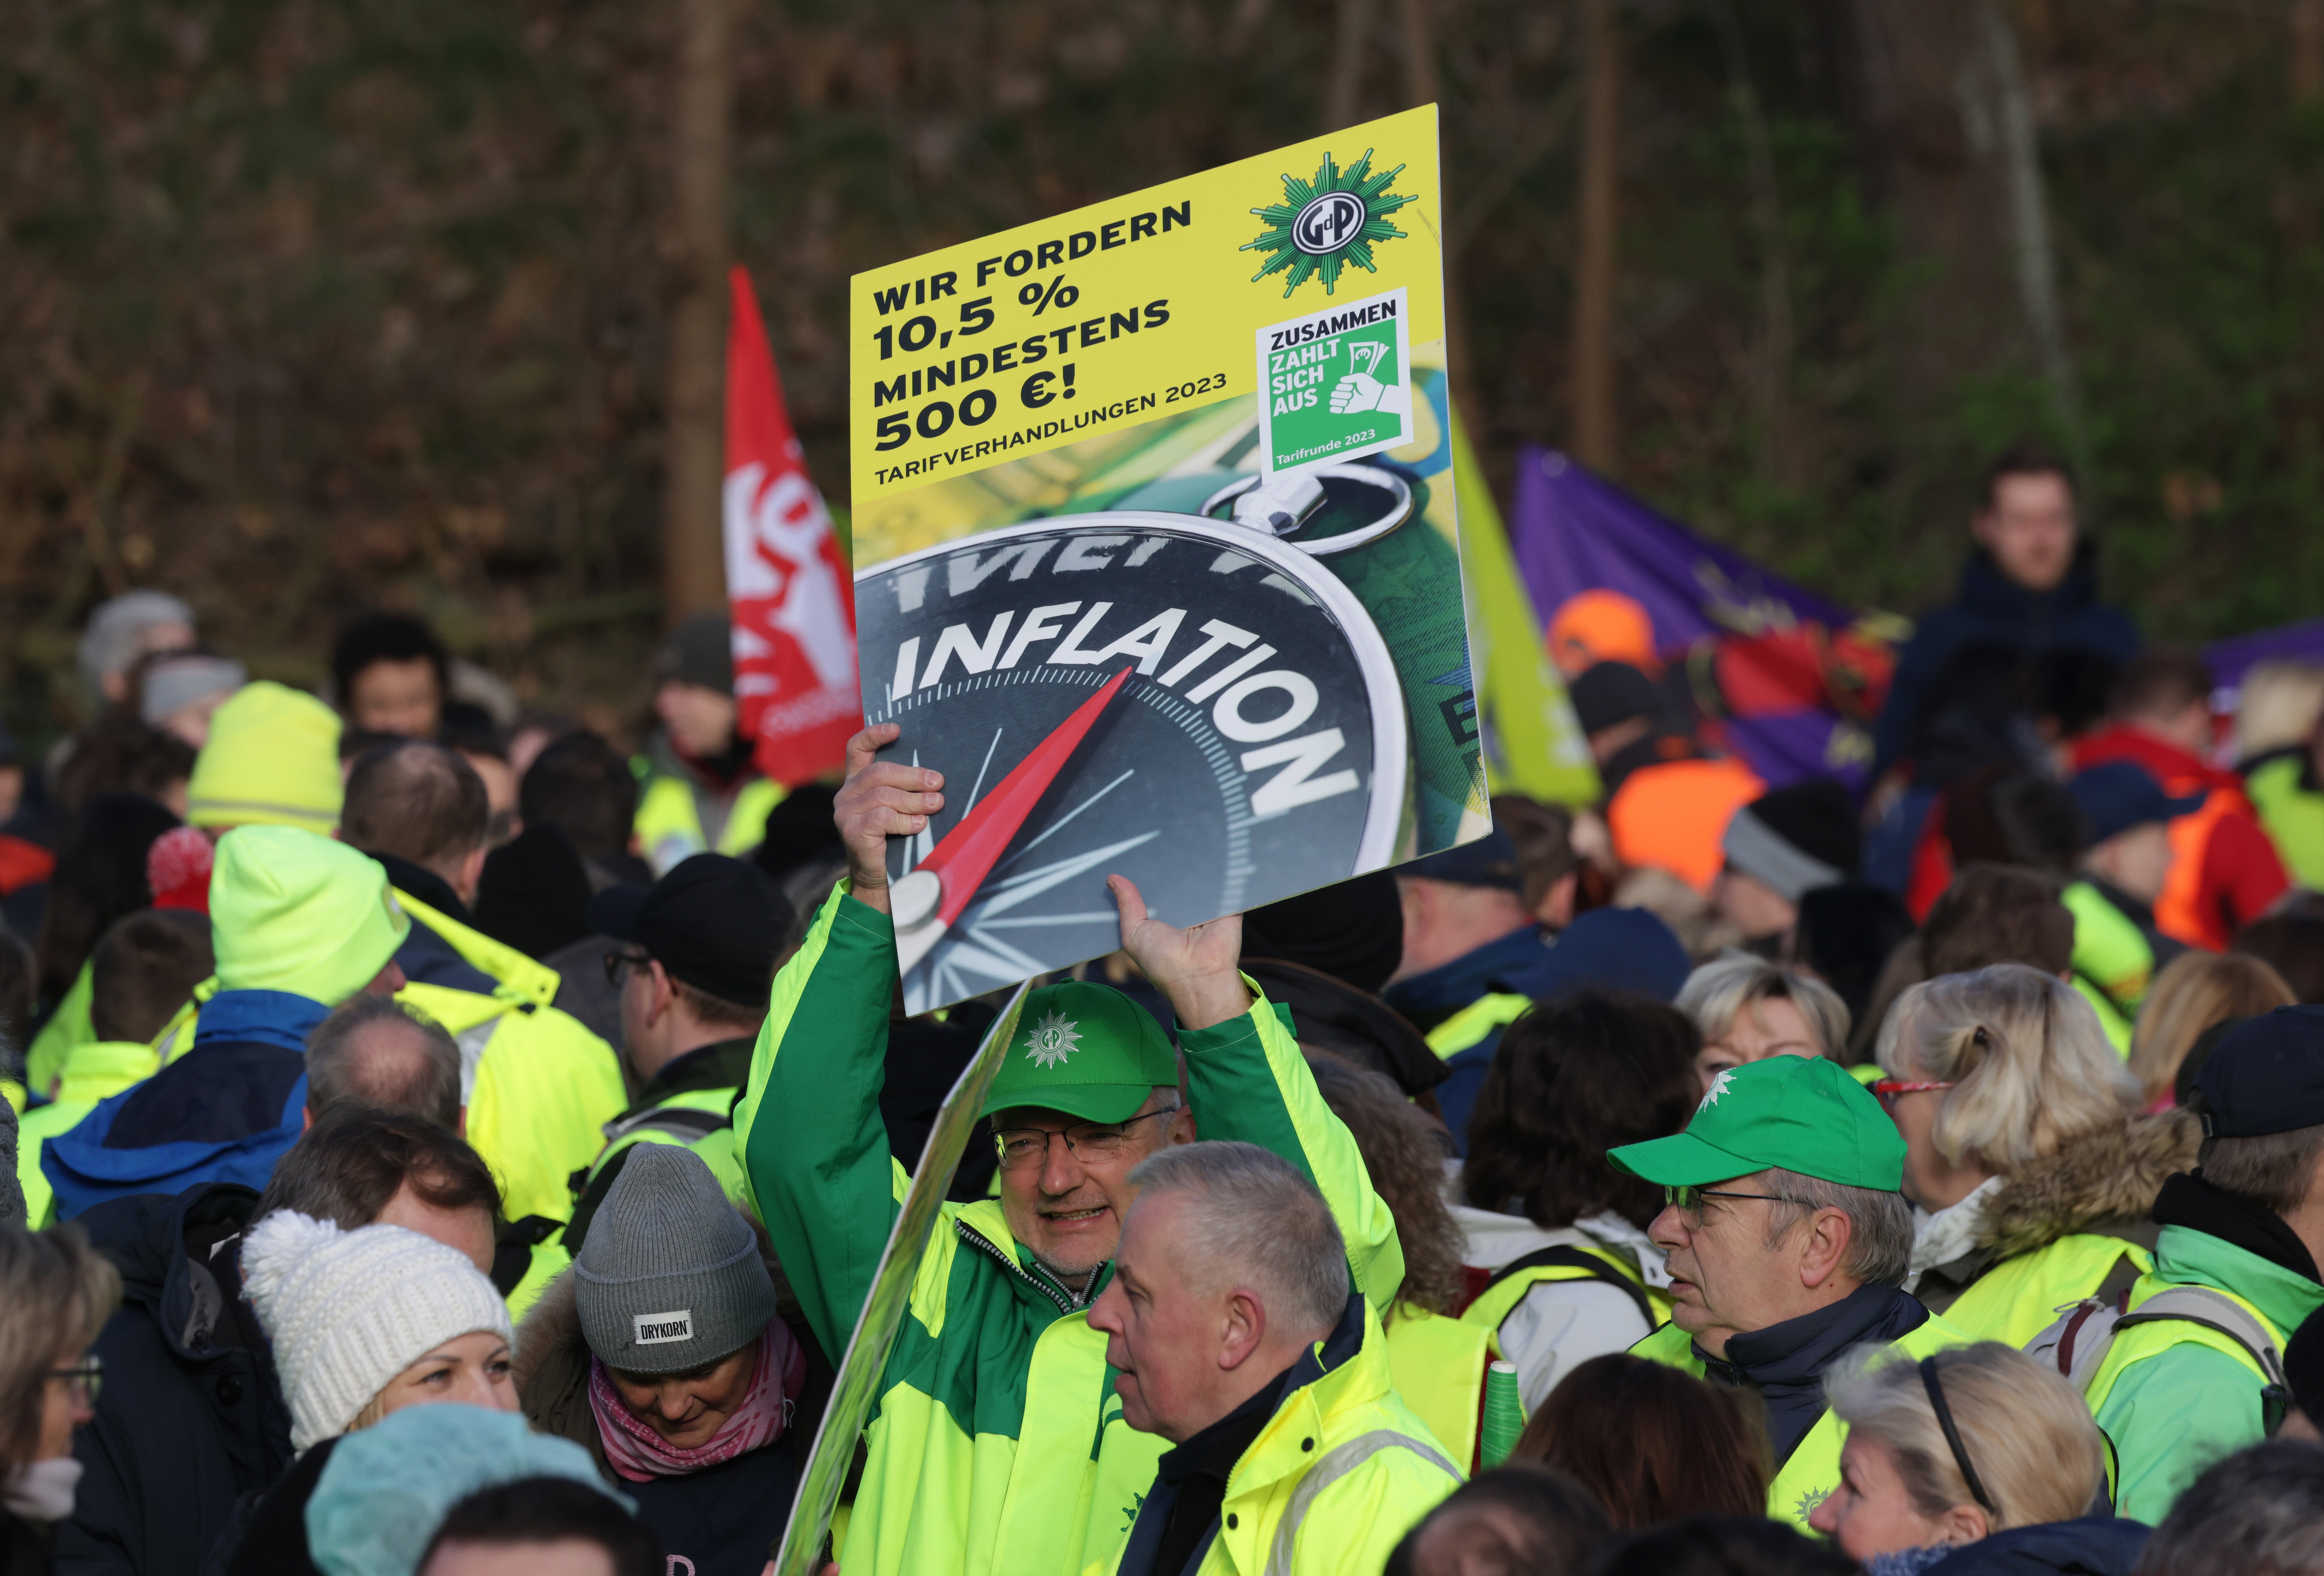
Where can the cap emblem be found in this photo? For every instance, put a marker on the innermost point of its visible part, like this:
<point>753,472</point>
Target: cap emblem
<point>1057,1037</point>
<point>1718,1086</point>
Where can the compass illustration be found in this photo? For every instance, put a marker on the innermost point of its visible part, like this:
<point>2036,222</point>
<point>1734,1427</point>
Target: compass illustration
<point>1189,701</point>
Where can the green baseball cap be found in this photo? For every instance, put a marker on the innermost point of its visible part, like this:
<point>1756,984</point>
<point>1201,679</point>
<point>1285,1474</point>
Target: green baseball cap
<point>1086,1050</point>
<point>1800,1113</point>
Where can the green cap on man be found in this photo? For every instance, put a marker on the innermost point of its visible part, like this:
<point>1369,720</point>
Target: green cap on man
<point>1086,1050</point>
<point>1796,1113</point>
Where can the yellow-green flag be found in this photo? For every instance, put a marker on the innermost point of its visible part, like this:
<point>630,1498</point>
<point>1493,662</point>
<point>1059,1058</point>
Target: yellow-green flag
<point>1532,744</point>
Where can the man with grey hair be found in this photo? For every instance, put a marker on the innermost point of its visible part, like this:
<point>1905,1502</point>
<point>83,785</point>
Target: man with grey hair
<point>374,1051</point>
<point>1235,1334</point>
<point>1788,1238</point>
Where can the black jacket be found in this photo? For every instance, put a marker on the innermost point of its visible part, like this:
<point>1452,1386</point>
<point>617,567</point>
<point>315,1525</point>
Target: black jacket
<point>1785,1363</point>
<point>191,1415</point>
<point>2094,1545</point>
<point>25,1549</point>
<point>1991,610</point>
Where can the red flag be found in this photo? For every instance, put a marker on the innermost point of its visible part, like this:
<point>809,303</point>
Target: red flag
<point>787,584</point>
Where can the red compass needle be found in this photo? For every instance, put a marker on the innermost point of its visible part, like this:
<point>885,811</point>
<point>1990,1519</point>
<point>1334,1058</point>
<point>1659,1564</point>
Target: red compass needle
<point>956,869</point>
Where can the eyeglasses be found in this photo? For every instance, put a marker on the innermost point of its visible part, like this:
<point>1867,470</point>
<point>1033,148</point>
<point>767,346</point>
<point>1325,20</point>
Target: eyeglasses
<point>1688,1201</point>
<point>87,1378</point>
<point>1021,1148</point>
<point>1886,1090</point>
<point>618,966</point>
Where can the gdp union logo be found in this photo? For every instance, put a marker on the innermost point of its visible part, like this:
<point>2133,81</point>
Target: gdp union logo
<point>1324,225</point>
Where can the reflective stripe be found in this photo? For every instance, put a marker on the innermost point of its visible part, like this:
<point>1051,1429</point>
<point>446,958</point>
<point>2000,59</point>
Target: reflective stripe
<point>1474,1022</point>
<point>1329,1470</point>
<point>472,1041</point>
<point>686,1122</point>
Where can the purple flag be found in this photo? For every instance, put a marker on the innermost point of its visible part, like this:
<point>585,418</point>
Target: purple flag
<point>1787,679</point>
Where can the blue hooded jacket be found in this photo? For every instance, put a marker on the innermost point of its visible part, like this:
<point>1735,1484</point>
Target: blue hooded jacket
<point>1606,949</point>
<point>224,1112</point>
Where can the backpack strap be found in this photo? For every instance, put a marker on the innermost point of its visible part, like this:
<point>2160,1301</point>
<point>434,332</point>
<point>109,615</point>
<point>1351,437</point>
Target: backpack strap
<point>1589,1263</point>
<point>2222,1315</point>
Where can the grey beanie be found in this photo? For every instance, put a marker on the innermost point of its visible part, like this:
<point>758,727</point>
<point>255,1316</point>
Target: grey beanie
<point>669,1277</point>
<point>117,628</point>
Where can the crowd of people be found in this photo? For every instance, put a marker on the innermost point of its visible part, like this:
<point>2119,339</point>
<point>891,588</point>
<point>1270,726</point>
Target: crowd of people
<point>443,1139</point>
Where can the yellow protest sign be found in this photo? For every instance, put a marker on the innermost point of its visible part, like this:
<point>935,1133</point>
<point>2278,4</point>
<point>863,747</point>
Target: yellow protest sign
<point>1158,553</point>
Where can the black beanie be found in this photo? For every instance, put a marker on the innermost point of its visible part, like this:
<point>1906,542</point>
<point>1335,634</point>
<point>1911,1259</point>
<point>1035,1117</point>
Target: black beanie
<point>534,891</point>
<point>1796,838</point>
<point>1353,930</point>
<point>1609,694</point>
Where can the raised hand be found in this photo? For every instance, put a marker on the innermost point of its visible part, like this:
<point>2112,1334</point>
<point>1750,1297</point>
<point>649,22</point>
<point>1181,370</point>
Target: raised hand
<point>1197,969</point>
<point>880,799</point>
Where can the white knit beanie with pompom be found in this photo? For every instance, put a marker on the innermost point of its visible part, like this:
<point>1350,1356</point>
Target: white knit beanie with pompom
<point>348,1311</point>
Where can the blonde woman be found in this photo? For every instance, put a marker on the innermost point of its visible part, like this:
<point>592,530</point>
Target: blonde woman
<point>1749,1010</point>
<point>2195,990</point>
<point>55,1296</point>
<point>363,1324</point>
<point>1975,1443</point>
<point>2027,1158</point>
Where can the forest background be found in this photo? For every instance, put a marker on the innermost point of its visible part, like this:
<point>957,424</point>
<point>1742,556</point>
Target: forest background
<point>312,305</point>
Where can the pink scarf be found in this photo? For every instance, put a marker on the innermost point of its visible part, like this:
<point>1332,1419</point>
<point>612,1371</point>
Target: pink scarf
<point>639,1454</point>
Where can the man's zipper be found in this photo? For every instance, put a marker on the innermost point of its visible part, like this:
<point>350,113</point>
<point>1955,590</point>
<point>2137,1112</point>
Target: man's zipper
<point>977,1239</point>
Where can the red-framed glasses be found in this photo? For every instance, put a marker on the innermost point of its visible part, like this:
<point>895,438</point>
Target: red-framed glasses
<point>1886,1090</point>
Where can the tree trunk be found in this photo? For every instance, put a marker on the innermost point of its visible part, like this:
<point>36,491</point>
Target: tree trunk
<point>1592,440</point>
<point>1771,369</point>
<point>2029,220</point>
<point>694,575</point>
<point>1343,92</point>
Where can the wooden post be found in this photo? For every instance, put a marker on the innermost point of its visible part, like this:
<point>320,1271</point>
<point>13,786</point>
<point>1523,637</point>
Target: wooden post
<point>1598,216</point>
<point>694,575</point>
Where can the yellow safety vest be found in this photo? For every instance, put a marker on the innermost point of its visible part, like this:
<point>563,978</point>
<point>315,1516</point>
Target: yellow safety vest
<point>1474,1022</point>
<point>669,827</point>
<point>1438,1367</point>
<point>2019,1297</point>
<point>1813,1472</point>
<point>1509,1287</point>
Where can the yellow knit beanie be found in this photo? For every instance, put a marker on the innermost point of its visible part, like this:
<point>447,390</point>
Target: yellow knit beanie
<point>272,759</point>
<point>295,911</point>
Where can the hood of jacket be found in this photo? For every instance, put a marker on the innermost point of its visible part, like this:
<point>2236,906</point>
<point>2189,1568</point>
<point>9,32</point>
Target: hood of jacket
<point>2109,1176</point>
<point>219,1147</point>
<point>145,1236</point>
<point>551,1367</point>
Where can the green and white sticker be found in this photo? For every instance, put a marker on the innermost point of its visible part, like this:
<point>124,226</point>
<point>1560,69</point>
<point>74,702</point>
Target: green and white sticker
<point>1335,384</point>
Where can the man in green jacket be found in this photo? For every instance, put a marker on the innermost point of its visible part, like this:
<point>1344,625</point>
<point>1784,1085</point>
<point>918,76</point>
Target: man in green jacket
<point>1235,1338</point>
<point>1788,1238</point>
<point>2176,1395</point>
<point>998,1443</point>
<point>699,949</point>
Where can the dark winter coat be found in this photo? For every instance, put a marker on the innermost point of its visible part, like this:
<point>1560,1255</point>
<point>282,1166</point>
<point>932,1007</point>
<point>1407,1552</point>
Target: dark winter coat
<point>2094,1546</point>
<point>25,1549</point>
<point>191,1415</point>
<point>1992,610</point>
<point>268,1533</point>
<point>722,1520</point>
